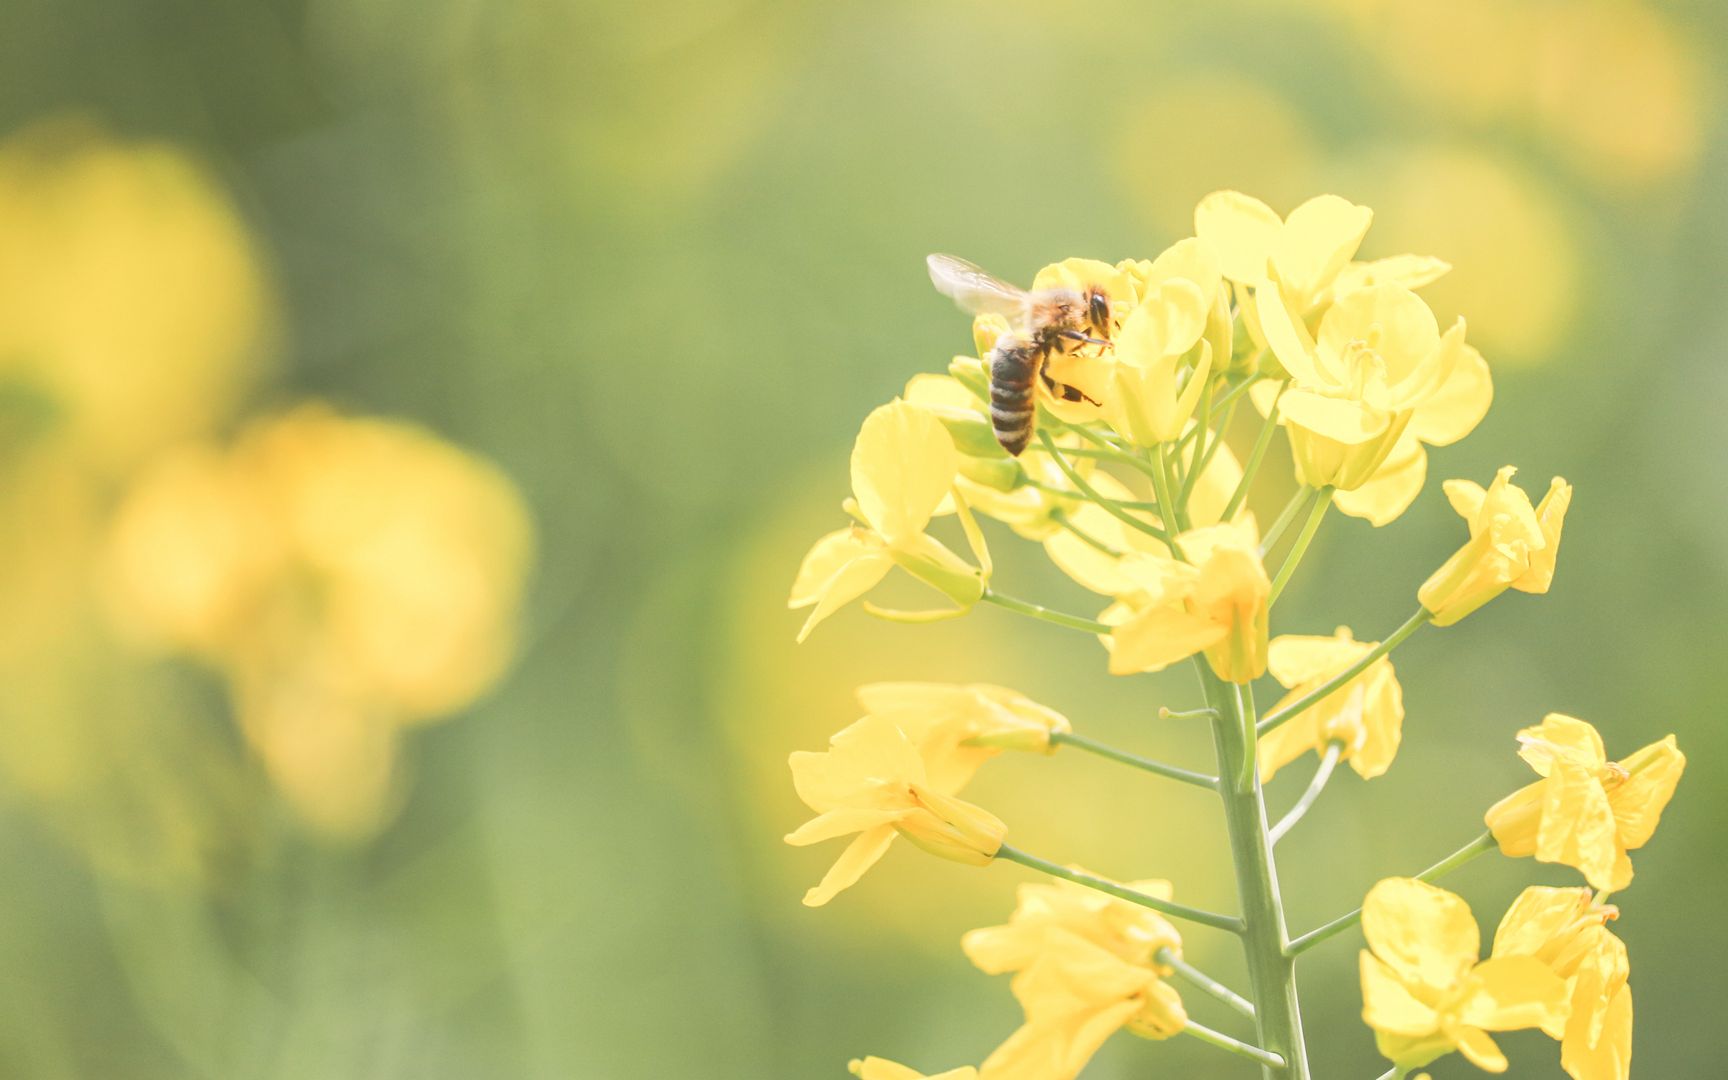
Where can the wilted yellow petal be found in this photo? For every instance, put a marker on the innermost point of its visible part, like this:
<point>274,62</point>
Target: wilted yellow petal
<point>1651,776</point>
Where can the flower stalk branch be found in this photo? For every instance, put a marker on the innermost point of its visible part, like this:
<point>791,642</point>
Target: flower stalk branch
<point>1172,772</point>
<point>1324,690</point>
<point>1478,846</point>
<point>1230,923</point>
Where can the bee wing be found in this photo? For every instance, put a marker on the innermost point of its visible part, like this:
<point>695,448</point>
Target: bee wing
<point>977,292</point>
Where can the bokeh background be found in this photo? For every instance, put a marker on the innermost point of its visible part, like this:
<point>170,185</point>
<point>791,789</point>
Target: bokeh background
<point>371,363</point>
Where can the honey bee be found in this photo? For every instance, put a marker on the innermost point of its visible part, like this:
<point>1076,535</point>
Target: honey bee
<point>1041,322</point>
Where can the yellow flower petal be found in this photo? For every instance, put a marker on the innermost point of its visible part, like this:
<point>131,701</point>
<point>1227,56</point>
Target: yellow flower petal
<point>1238,231</point>
<point>875,1068</point>
<point>1425,934</point>
<point>1389,1006</point>
<point>1339,419</point>
<point>860,855</point>
<point>1610,1056</point>
<point>1652,775</point>
<point>1508,993</point>
<point>1477,1048</point>
<point>903,465</point>
<point>1393,487</point>
<point>1458,405</point>
<point>1316,242</point>
<point>838,569</point>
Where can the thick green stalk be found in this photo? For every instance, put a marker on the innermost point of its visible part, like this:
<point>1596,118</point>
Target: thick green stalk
<point>1271,973</point>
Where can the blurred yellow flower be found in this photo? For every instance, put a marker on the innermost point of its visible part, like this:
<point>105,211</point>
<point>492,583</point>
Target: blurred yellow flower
<point>875,1068</point>
<point>1087,968</point>
<point>1276,152</point>
<point>874,782</point>
<point>1426,993</point>
<point>1167,610</point>
<point>1586,812</point>
<point>1512,240</point>
<point>957,728</point>
<point>131,299</point>
<point>1567,930</point>
<point>903,467</point>
<point>347,576</point>
<point>1513,545</point>
<point>1365,716</point>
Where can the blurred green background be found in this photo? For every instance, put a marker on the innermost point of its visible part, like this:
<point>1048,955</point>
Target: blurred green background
<point>655,262</point>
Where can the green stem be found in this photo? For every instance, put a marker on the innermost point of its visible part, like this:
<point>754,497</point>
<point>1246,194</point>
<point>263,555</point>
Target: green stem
<point>1197,456</point>
<point>1285,517</point>
<point>1081,742</point>
<point>1091,541</point>
<point>1295,708</point>
<point>1109,506</point>
<point>1271,974</point>
<point>1322,503</point>
<point>1204,982</point>
<point>1396,1072</point>
<point>1328,762</point>
<point>1232,396</point>
<point>1038,611</point>
<point>1172,515</point>
<point>1121,892</point>
<point>1235,1046</point>
<point>1481,845</point>
<point>1254,458</point>
<point>1222,428</point>
<point>1110,450</point>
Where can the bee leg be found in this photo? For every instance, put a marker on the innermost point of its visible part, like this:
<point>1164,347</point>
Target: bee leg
<point>1086,339</point>
<point>1065,391</point>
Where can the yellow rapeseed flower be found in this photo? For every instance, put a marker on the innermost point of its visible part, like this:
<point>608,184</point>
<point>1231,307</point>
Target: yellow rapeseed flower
<point>903,467</point>
<point>1426,993</point>
<point>1167,609</point>
<point>1075,995</point>
<point>1513,545</point>
<point>1365,716</point>
<point>1130,931</point>
<point>1567,930</point>
<point>957,728</point>
<point>872,781</point>
<point>1087,968</point>
<point>875,1068</point>
<point>1586,812</point>
<point>1378,368</point>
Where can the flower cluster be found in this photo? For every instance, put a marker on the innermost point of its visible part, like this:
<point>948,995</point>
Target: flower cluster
<point>1125,479</point>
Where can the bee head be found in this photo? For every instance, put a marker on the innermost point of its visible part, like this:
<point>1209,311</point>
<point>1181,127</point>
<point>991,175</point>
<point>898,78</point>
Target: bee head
<point>1098,312</point>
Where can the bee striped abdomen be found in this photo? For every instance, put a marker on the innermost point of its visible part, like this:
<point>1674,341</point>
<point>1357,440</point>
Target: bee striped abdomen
<point>1013,378</point>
